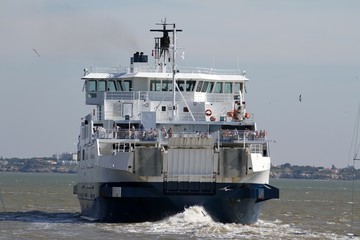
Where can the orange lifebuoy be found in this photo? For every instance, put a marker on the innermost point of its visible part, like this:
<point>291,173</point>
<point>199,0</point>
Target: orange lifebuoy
<point>208,112</point>
<point>233,114</point>
<point>247,115</point>
<point>212,118</point>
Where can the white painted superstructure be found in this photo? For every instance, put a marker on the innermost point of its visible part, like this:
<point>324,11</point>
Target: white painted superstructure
<point>179,137</point>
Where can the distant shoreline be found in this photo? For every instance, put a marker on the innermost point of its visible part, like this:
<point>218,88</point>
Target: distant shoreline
<point>38,165</point>
<point>284,171</point>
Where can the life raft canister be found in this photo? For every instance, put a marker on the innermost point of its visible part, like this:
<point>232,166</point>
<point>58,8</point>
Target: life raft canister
<point>208,112</point>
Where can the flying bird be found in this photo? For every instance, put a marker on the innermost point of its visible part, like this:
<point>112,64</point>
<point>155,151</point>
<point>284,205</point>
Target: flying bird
<point>300,98</point>
<point>36,52</point>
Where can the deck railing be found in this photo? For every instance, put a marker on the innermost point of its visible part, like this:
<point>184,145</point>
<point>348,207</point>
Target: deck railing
<point>162,135</point>
<point>149,68</point>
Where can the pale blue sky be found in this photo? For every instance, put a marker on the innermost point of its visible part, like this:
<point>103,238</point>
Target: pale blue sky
<point>308,47</point>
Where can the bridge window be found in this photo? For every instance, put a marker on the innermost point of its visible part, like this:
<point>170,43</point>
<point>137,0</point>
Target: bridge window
<point>218,87</point>
<point>236,87</point>
<point>228,87</point>
<point>210,87</point>
<point>101,86</point>
<point>111,86</point>
<point>127,84</point>
<point>90,85</point>
<point>199,86</point>
<point>155,85</point>
<point>124,85</point>
<point>204,86</point>
<point>181,85</point>
<point>207,87</point>
<point>120,86</point>
<point>167,85</point>
<point>190,85</point>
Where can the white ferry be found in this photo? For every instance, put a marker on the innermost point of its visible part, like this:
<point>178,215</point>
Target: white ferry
<point>162,139</point>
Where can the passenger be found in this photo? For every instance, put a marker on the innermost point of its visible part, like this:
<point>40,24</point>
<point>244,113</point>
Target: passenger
<point>142,133</point>
<point>170,132</point>
<point>261,135</point>
<point>133,132</point>
<point>163,132</point>
<point>236,134</point>
<point>114,130</point>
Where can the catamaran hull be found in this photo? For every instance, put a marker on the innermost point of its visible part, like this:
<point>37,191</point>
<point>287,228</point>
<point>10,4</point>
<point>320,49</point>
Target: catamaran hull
<point>129,202</point>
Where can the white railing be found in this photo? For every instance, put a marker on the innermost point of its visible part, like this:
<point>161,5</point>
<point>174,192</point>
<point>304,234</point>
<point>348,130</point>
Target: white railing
<point>210,71</point>
<point>153,69</point>
<point>156,135</point>
<point>256,148</point>
<point>107,70</point>
<point>142,95</point>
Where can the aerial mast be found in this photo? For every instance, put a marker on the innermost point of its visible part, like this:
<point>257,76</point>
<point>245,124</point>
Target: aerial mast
<point>162,52</point>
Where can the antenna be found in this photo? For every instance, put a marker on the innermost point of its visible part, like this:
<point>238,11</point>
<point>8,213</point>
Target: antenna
<point>163,45</point>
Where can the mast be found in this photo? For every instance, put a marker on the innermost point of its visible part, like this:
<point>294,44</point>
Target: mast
<point>174,71</point>
<point>162,54</point>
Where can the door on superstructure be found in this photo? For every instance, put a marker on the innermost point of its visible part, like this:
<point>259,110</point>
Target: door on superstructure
<point>128,109</point>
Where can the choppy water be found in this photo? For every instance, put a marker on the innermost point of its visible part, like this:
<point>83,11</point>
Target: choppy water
<point>41,206</point>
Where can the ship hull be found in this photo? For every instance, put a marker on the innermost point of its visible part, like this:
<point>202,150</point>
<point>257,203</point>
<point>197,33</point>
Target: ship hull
<point>129,202</point>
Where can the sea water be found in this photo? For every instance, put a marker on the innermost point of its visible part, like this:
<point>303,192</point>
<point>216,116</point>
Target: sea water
<point>42,206</point>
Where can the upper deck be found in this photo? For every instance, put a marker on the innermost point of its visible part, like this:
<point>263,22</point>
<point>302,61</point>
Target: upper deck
<point>192,82</point>
<point>151,71</point>
<point>164,92</point>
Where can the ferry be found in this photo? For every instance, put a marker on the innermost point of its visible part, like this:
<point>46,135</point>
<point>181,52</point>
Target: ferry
<point>162,138</point>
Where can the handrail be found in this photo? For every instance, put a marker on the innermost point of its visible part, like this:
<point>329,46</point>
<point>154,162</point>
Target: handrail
<point>153,69</point>
<point>156,135</point>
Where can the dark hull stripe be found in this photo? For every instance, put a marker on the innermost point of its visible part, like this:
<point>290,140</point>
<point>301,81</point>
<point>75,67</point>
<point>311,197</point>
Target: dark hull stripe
<point>137,202</point>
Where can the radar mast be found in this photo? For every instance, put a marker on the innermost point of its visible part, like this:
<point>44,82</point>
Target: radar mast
<point>162,53</point>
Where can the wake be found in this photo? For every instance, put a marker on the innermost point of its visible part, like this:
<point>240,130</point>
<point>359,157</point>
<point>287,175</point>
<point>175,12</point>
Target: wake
<point>195,223</point>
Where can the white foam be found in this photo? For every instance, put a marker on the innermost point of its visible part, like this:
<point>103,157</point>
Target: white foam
<point>194,222</point>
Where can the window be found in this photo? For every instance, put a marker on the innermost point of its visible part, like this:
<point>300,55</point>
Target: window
<point>101,86</point>
<point>111,86</point>
<point>163,108</point>
<point>237,88</point>
<point>204,86</point>
<point>127,84</point>
<point>167,85</point>
<point>218,87</point>
<point>185,109</point>
<point>120,85</point>
<point>199,86</point>
<point>155,85</point>
<point>90,85</point>
<point>210,87</point>
<point>228,87</point>
<point>181,85</point>
<point>207,87</point>
<point>190,85</point>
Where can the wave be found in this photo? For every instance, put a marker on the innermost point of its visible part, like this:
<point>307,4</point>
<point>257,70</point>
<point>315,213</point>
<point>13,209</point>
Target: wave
<point>192,223</point>
<point>40,216</point>
<point>195,223</point>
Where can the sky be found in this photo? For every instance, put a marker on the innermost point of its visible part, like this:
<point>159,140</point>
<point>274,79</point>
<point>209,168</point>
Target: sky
<point>287,48</point>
